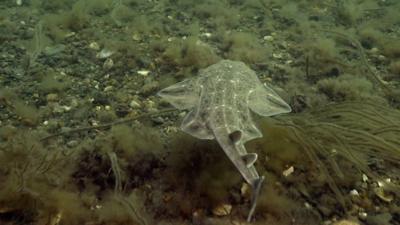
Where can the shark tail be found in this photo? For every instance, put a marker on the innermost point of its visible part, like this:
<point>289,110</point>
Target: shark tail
<point>256,193</point>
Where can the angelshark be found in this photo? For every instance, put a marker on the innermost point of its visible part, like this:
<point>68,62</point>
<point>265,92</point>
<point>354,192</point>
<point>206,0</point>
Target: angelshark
<point>219,100</point>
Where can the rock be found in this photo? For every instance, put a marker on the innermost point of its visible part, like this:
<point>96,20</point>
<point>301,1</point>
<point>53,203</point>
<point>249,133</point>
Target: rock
<point>72,143</point>
<point>150,87</point>
<point>134,104</point>
<point>52,97</point>
<point>379,219</point>
<point>104,53</point>
<point>383,195</point>
<point>143,72</point>
<point>94,45</point>
<point>288,171</point>
<point>346,222</point>
<point>108,64</point>
<point>222,210</point>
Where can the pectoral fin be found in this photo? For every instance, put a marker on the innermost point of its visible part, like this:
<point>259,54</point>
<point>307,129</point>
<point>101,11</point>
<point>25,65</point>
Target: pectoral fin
<point>249,159</point>
<point>182,95</point>
<point>266,102</point>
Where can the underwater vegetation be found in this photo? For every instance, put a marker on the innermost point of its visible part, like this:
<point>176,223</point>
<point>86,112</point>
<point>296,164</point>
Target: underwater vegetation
<point>129,175</point>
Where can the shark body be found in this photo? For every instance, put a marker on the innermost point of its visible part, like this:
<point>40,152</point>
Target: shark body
<point>220,100</point>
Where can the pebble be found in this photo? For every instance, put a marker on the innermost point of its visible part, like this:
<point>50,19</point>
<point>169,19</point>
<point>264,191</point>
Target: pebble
<point>58,109</point>
<point>182,114</point>
<point>72,143</point>
<point>354,192</point>
<point>222,209</point>
<point>150,87</point>
<point>104,53</point>
<point>345,222</point>
<point>143,72</point>
<point>158,120</point>
<point>289,171</point>
<point>277,55</point>
<point>383,195</point>
<point>134,104</point>
<point>245,190</point>
<point>94,45</point>
<point>74,103</point>
<point>362,215</point>
<point>52,97</point>
<point>207,35</point>
<point>108,88</point>
<point>374,50</point>
<point>136,37</point>
<point>53,50</point>
<point>268,38</point>
<point>108,64</point>
<point>364,178</point>
<point>150,105</point>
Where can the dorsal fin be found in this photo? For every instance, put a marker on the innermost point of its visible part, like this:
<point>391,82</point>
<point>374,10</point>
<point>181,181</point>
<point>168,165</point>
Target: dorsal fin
<point>249,159</point>
<point>235,136</point>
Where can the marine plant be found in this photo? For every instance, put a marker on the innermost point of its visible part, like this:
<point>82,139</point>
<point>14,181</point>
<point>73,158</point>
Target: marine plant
<point>336,137</point>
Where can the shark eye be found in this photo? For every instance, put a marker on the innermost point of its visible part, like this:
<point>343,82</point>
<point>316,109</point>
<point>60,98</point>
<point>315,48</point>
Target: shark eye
<point>235,136</point>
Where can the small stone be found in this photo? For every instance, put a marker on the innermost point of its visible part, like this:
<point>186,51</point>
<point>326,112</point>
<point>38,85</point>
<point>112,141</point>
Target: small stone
<point>268,38</point>
<point>364,178</point>
<point>94,45</point>
<point>380,219</point>
<point>150,105</point>
<point>54,49</point>
<point>72,143</point>
<point>381,57</point>
<point>74,103</point>
<point>158,120</point>
<point>345,222</point>
<point>70,34</point>
<point>52,97</point>
<point>58,108</point>
<point>134,104</point>
<point>67,108</point>
<point>374,50</point>
<point>354,192</point>
<point>222,210</point>
<point>108,88</point>
<point>362,215</point>
<point>207,35</point>
<point>143,72</point>
<point>108,64</point>
<point>289,171</point>
<point>277,55</point>
<point>104,53</point>
<point>245,190</point>
<point>235,222</point>
<point>182,114</point>
<point>136,37</point>
<point>150,87</point>
<point>383,195</point>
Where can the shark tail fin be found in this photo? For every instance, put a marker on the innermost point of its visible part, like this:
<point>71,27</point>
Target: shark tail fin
<point>256,193</point>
